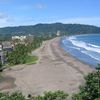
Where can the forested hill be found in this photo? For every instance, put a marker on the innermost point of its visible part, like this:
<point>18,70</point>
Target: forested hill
<point>43,29</point>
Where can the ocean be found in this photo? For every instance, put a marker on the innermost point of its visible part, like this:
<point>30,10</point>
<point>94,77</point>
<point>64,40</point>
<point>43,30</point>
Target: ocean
<point>84,47</point>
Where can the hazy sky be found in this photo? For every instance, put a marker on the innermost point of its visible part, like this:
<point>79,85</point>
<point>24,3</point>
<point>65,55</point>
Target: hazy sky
<point>30,12</point>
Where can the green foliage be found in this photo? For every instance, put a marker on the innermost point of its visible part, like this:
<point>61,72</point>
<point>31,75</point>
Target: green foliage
<point>91,89</point>
<point>18,55</point>
<point>77,97</point>
<point>57,95</point>
<point>47,30</point>
<point>1,64</point>
<point>36,43</point>
<point>12,96</point>
<point>98,67</point>
<point>97,99</point>
<point>31,59</point>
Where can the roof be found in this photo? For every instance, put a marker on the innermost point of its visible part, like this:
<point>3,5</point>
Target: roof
<point>6,44</point>
<point>1,53</point>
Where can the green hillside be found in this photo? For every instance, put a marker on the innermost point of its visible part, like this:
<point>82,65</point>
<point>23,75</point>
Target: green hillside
<point>46,29</point>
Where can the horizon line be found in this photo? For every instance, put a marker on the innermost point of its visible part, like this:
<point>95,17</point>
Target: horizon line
<point>48,23</point>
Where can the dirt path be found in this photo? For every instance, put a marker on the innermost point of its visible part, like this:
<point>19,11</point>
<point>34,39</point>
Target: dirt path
<point>56,70</point>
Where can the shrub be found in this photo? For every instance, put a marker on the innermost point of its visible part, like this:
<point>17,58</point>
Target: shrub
<point>12,96</point>
<point>1,64</point>
<point>97,99</point>
<point>91,89</point>
<point>57,95</point>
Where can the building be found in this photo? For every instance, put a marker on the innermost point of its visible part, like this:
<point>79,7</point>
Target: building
<point>21,38</point>
<point>7,46</point>
<point>1,57</point>
<point>58,33</point>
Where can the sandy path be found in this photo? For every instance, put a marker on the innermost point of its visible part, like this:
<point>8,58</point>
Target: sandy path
<point>56,70</point>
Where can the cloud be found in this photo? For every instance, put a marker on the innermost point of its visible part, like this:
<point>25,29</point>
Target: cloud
<point>24,7</point>
<point>2,15</point>
<point>5,20</point>
<point>39,6</point>
<point>32,6</point>
<point>82,20</point>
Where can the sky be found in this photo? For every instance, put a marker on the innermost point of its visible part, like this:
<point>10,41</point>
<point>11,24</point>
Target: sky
<point>31,12</point>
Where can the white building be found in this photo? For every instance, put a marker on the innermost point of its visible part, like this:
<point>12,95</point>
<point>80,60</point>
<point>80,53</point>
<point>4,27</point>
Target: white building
<point>58,33</point>
<point>6,45</point>
<point>19,38</point>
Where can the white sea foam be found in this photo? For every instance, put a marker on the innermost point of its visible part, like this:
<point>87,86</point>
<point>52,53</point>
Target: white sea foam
<point>84,45</point>
<point>94,56</point>
<point>75,48</point>
<point>94,45</point>
<point>72,37</point>
<point>64,43</point>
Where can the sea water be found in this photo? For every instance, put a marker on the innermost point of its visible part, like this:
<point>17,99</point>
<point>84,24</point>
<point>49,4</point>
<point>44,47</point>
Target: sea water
<point>84,47</point>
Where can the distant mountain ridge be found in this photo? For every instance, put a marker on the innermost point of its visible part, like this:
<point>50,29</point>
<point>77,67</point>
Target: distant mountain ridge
<point>45,29</point>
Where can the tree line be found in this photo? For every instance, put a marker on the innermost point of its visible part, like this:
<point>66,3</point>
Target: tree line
<point>20,52</point>
<point>47,29</point>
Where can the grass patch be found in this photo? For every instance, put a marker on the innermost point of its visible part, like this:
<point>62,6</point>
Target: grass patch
<point>31,59</point>
<point>27,60</point>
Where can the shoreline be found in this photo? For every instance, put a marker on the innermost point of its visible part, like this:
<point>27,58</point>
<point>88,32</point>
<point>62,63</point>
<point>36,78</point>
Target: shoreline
<point>55,70</point>
<point>75,55</point>
<point>91,66</point>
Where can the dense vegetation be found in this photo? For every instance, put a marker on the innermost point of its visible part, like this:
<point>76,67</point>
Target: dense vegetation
<point>47,29</point>
<point>1,65</point>
<point>57,95</point>
<point>21,53</point>
<point>12,96</point>
<point>18,55</point>
<point>91,89</point>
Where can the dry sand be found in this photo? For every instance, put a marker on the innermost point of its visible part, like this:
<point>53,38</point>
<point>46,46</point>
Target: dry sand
<point>55,70</point>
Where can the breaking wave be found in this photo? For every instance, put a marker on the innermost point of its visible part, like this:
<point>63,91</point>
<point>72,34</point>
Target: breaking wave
<point>85,47</point>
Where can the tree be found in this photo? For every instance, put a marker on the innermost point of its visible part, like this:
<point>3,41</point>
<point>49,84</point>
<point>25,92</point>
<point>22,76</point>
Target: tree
<point>98,67</point>
<point>91,89</point>
<point>1,64</point>
<point>12,96</point>
<point>18,55</point>
<point>56,95</point>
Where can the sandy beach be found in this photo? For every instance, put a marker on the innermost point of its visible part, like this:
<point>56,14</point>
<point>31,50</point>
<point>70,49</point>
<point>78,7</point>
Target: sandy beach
<point>55,70</point>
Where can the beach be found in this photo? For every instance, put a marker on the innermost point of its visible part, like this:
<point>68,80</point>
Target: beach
<point>55,70</point>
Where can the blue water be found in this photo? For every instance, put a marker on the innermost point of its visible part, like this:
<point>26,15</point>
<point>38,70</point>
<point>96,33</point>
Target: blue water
<point>84,47</point>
